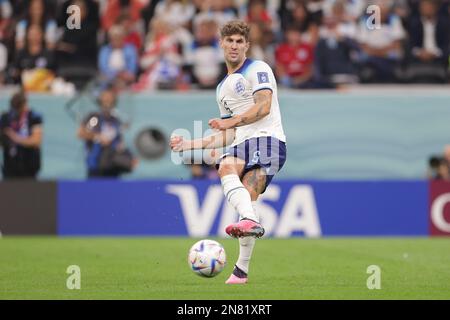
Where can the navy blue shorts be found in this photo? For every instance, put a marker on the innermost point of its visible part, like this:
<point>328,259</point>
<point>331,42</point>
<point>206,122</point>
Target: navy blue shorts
<point>261,152</point>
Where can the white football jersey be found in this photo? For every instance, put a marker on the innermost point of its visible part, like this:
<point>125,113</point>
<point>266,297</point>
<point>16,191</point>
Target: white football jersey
<point>235,96</point>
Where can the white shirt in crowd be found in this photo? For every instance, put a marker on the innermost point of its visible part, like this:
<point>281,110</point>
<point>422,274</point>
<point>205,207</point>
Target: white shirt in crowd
<point>429,37</point>
<point>384,36</point>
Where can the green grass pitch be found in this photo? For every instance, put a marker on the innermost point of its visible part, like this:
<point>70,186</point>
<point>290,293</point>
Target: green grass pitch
<point>156,268</point>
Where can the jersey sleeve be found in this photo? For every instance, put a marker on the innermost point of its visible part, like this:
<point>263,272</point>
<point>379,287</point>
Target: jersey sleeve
<point>261,77</point>
<point>224,113</point>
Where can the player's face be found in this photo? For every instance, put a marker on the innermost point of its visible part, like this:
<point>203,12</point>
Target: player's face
<point>234,48</point>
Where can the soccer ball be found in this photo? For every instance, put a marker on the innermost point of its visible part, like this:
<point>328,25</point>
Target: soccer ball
<point>207,258</point>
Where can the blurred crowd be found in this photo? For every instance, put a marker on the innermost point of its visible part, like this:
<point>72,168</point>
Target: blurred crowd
<point>144,45</point>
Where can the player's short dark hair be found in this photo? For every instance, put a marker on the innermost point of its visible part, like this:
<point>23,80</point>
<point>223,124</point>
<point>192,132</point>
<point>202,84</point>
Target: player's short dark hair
<point>235,27</point>
<point>18,100</point>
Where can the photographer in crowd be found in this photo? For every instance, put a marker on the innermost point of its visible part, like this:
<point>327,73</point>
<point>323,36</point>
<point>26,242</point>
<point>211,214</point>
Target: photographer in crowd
<point>107,155</point>
<point>21,139</point>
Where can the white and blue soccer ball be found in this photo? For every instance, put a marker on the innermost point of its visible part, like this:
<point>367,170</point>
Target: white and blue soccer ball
<point>207,258</point>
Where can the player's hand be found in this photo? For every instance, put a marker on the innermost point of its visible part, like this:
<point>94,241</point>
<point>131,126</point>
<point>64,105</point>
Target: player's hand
<point>178,144</point>
<point>222,124</point>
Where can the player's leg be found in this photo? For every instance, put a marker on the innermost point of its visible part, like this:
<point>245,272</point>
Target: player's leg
<point>267,159</point>
<point>230,170</point>
<point>255,182</point>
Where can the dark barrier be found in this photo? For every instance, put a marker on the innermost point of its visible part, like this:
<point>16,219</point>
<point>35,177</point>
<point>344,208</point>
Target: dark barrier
<point>288,208</point>
<point>27,207</point>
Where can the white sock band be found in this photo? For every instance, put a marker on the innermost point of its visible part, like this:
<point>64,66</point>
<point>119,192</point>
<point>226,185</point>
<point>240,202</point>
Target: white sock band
<point>238,196</point>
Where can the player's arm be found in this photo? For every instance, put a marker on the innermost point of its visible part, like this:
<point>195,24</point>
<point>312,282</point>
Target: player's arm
<point>261,108</point>
<point>215,140</point>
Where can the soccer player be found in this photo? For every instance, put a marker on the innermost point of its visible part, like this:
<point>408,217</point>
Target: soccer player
<point>251,124</point>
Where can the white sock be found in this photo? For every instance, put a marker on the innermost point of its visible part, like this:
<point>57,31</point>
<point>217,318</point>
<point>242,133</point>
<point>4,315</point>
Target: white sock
<point>238,196</point>
<point>246,246</point>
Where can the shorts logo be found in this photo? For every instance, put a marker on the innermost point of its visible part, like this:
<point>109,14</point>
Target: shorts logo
<point>263,77</point>
<point>239,87</point>
<point>255,157</point>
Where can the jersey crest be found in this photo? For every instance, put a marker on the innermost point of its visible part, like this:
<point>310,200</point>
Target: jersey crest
<point>239,88</point>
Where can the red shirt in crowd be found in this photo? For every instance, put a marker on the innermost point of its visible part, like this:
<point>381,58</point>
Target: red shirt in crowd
<point>295,60</point>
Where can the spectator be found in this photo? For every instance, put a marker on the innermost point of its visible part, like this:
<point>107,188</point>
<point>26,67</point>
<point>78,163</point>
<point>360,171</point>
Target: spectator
<point>91,8</point>
<point>78,47</point>
<point>438,169</point>
<point>178,12</point>
<point>5,21</point>
<point>5,12</point>
<point>333,54</point>
<point>18,7</point>
<point>161,60</point>
<point>34,65</point>
<point>261,47</point>
<point>298,16</point>
<point>221,11</point>
<point>132,35</point>
<point>101,131</point>
<point>117,60</point>
<point>257,12</point>
<point>147,13</point>
<point>37,13</point>
<point>5,9</point>
<point>316,10</point>
<point>114,8</point>
<point>353,9</point>
<point>3,63</point>
<point>21,139</point>
<point>205,58</point>
<point>382,48</point>
<point>294,60</point>
<point>218,11</point>
<point>402,9</point>
<point>429,40</point>
<point>414,6</point>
